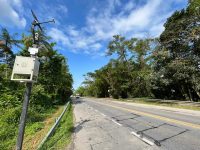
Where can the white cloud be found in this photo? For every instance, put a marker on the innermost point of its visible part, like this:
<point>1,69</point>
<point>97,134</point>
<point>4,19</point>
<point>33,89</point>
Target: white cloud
<point>72,31</point>
<point>10,15</point>
<point>62,8</point>
<point>133,20</point>
<point>74,40</point>
<point>156,29</point>
<point>59,36</point>
<point>139,19</point>
<point>96,46</point>
<point>129,6</point>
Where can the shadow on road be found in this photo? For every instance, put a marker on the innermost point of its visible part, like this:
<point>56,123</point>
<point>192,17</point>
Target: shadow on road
<point>80,125</point>
<point>77,101</point>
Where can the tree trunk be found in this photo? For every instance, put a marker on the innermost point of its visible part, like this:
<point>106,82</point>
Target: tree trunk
<point>190,94</point>
<point>184,93</point>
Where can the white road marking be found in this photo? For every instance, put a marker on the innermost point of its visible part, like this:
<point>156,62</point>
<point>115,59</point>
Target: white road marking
<point>103,114</point>
<point>116,122</point>
<point>143,138</point>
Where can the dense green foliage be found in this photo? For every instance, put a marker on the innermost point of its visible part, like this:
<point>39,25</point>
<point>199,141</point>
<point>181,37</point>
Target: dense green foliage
<point>54,86</point>
<point>178,57</point>
<point>167,67</point>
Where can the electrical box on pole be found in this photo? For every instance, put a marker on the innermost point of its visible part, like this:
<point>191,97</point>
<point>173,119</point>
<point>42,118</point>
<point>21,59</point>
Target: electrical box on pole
<point>25,69</point>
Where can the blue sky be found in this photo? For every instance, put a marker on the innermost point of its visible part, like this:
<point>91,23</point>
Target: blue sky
<point>84,27</point>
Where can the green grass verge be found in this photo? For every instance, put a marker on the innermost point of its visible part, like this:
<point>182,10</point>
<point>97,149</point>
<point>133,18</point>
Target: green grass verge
<point>9,125</point>
<point>35,132</point>
<point>62,134</point>
<point>160,103</point>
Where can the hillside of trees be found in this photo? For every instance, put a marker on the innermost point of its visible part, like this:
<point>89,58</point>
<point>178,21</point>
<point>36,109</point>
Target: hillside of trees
<point>167,67</point>
<point>53,88</point>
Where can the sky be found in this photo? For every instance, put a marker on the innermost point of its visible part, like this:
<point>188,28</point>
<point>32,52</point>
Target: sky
<point>84,28</point>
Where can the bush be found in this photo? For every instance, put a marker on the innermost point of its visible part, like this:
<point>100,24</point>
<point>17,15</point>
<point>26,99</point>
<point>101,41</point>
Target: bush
<point>8,100</point>
<point>39,97</point>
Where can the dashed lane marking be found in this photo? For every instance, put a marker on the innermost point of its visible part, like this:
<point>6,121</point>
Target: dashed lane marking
<point>116,122</point>
<point>103,114</point>
<point>143,138</point>
<point>197,126</point>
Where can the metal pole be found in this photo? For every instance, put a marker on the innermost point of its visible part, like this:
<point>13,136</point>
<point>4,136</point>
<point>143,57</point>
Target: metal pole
<point>28,90</point>
<point>25,106</point>
<point>23,116</point>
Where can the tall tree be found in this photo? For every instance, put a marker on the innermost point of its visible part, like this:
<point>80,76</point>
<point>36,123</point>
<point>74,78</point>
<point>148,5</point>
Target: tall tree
<point>180,43</point>
<point>7,41</point>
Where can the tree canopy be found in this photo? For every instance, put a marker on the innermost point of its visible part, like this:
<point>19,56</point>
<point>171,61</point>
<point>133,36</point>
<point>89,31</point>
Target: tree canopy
<point>166,67</point>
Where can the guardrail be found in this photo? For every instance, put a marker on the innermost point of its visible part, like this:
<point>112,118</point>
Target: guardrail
<point>54,126</point>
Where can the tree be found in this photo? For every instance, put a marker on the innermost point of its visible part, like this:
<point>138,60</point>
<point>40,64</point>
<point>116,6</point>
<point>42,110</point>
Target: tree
<point>178,56</point>
<point>6,43</point>
<point>96,83</point>
<point>80,91</point>
<point>125,76</point>
<point>119,46</point>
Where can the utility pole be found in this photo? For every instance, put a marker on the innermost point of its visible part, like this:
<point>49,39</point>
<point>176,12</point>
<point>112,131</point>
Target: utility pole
<point>23,116</point>
<point>33,51</point>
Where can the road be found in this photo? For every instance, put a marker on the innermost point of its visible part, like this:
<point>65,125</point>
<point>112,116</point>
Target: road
<point>104,124</point>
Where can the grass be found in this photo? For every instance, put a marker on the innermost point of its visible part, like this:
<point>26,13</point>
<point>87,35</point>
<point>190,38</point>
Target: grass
<point>35,132</point>
<point>160,103</point>
<point>37,125</point>
<point>62,134</point>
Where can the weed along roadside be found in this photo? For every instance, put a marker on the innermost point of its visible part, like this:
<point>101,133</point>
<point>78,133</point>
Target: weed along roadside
<point>35,132</point>
<point>59,136</point>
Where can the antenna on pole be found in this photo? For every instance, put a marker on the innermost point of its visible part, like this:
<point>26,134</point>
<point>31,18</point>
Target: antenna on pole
<point>36,23</point>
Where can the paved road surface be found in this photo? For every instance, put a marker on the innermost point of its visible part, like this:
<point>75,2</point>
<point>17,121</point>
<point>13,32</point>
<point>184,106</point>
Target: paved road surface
<point>110,125</point>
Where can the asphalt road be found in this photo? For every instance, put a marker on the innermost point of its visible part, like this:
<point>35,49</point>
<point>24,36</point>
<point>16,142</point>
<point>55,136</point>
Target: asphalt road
<point>151,127</point>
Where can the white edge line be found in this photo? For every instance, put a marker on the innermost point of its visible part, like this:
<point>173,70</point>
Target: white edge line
<point>116,122</point>
<point>143,139</point>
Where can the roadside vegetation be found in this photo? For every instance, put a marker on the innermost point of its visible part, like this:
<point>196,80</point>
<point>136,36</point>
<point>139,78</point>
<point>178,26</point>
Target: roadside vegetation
<point>62,134</point>
<point>53,88</point>
<point>167,67</point>
<point>167,103</point>
<point>35,132</point>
